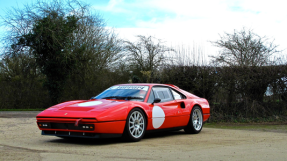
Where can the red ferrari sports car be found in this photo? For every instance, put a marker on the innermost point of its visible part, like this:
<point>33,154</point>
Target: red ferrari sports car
<point>128,110</point>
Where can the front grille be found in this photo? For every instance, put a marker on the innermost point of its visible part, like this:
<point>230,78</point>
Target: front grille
<point>67,126</point>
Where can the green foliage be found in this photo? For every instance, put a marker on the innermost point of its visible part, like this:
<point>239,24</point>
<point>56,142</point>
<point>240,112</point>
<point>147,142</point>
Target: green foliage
<point>49,39</point>
<point>21,83</point>
<point>236,94</point>
<point>200,80</point>
<point>58,52</point>
<point>271,127</point>
<point>36,109</point>
<point>67,42</point>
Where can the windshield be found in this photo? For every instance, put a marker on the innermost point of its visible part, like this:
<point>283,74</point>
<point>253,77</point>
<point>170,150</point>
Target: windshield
<point>135,93</point>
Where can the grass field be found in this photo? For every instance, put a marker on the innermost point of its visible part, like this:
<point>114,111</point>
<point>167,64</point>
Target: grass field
<point>269,126</point>
<point>36,109</point>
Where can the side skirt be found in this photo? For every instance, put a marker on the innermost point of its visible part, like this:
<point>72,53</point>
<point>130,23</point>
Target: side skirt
<point>168,129</point>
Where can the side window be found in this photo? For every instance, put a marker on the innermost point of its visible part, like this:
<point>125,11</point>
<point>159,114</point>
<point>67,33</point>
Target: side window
<point>176,95</point>
<point>163,93</point>
<point>151,97</point>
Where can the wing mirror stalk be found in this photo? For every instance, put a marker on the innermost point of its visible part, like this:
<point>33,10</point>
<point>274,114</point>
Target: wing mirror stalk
<point>156,100</point>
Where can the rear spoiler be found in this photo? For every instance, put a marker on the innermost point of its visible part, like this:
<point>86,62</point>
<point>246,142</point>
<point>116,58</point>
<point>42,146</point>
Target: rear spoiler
<point>174,86</point>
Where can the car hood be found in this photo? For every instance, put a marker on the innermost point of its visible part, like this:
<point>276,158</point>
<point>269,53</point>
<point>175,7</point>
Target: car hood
<point>99,109</point>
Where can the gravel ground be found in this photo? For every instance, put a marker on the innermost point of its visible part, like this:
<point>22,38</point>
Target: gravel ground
<point>20,139</point>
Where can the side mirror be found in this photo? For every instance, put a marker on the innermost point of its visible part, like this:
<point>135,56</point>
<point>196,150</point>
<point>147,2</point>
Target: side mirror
<point>156,100</point>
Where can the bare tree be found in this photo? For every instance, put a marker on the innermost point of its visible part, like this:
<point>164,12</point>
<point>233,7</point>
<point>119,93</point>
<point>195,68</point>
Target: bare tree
<point>189,55</point>
<point>244,48</point>
<point>147,54</point>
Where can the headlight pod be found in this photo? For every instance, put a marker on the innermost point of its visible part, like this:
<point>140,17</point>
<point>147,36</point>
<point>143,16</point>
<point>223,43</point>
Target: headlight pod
<point>44,125</point>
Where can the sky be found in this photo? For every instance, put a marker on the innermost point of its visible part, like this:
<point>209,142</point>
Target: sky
<point>188,22</point>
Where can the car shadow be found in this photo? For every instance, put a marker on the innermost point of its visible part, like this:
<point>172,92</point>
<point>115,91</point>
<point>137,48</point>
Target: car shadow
<point>87,141</point>
<point>107,141</point>
<point>163,134</point>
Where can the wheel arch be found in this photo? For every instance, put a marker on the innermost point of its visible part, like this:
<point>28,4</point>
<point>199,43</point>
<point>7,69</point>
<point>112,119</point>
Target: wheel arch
<point>192,128</point>
<point>196,104</point>
<point>144,112</point>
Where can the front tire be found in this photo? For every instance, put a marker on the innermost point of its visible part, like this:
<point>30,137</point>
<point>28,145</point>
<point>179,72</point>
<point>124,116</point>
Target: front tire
<point>195,122</point>
<point>135,125</point>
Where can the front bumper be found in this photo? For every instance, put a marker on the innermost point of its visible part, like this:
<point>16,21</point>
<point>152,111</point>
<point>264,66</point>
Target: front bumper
<point>84,129</point>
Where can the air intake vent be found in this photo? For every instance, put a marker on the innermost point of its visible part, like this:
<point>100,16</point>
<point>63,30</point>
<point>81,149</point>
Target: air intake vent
<point>76,109</point>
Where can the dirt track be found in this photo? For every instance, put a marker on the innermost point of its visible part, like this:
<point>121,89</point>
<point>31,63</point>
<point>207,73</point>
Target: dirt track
<point>20,139</point>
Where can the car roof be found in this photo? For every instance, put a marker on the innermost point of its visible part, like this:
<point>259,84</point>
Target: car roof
<point>189,95</point>
<point>149,84</point>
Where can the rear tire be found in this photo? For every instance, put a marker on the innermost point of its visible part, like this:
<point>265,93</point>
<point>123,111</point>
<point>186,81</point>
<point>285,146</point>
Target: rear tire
<point>135,125</point>
<point>195,123</point>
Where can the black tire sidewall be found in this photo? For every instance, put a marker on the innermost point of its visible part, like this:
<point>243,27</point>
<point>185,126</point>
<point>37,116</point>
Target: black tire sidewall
<point>190,128</point>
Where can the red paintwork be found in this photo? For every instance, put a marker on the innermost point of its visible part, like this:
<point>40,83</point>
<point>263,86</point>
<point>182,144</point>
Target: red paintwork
<point>110,116</point>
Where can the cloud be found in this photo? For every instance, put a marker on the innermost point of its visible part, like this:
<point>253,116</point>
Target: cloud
<point>189,21</point>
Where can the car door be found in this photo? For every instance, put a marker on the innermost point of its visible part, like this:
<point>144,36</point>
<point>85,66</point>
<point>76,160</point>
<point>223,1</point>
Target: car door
<point>183,110</point>
<point>165,114</point>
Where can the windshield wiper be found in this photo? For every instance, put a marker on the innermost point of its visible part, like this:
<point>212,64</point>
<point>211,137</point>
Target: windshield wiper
<point>122,97</point>
<point>116,97</point>
<point>131,97</point>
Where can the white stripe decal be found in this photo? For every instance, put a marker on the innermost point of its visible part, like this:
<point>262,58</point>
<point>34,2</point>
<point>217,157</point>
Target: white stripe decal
<point>93,103</point>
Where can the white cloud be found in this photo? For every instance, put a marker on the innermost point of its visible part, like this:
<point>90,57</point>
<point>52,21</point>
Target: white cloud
<point>113,6</point>
<point>203,21</point>
<point>191,8</point>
